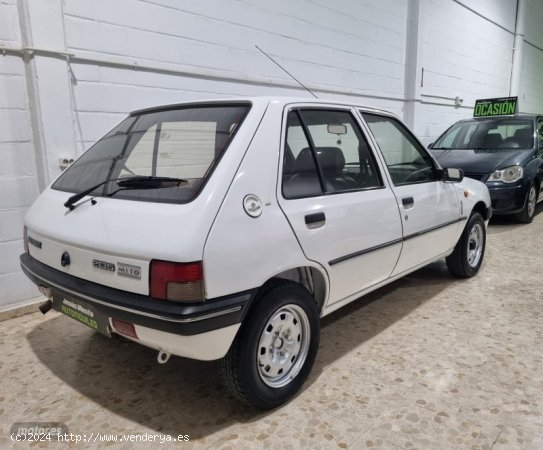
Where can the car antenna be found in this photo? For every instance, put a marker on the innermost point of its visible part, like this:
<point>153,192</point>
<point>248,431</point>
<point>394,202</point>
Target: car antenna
<point>286,71</point>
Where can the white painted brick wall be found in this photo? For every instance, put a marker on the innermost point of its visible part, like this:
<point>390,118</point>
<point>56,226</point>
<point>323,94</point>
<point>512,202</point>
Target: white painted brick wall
<point>532,81</point>
<point>500,11</point>
<point>347,45</point>
<point>9,18</point>
<point>464,54</point>
<point>18,185</point>
<point>205,41</point>
<point>18,189</point>
<point>532,70</point>
<point>534,28</point>
<point>432,120</point>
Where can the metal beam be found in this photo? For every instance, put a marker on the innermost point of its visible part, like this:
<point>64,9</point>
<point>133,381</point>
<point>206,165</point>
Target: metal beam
<point>518,49</point>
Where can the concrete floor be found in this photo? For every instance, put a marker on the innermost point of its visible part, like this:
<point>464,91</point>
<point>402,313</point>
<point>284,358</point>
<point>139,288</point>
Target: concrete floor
<point>429,362</point>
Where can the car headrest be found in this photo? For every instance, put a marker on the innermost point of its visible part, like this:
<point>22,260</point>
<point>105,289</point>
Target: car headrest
<point>493,140</point>
<point>524,137</point>
<point>331,160</point>
<point>304,161</point>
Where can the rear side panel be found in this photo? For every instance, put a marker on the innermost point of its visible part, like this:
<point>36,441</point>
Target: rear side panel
<point>243,252</point>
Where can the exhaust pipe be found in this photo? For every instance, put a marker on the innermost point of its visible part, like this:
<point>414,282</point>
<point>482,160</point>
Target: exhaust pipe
<point>46,306</point>
<point>163,357</point>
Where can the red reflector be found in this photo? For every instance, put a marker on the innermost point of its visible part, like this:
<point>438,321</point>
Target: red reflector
<point>125,328</point>
<point>164,272</point>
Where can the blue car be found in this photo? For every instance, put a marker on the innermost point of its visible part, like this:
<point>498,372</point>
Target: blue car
<point>505,153</point>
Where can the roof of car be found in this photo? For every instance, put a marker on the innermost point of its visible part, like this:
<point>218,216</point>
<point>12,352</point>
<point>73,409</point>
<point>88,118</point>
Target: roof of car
<point>256,100</point>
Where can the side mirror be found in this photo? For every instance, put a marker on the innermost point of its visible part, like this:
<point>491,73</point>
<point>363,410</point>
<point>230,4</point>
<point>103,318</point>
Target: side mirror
<point>453,175</point>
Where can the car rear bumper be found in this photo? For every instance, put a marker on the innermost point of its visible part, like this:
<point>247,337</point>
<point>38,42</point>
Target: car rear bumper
<point>198,330</point>
<point>206,346</point>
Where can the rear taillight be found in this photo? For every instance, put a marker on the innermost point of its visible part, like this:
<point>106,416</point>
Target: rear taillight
<point>179,282</point>
<point>25,239</point>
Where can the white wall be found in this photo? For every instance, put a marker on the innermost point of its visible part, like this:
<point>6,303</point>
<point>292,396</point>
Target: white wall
<point>465,55</point>
<point>347,46</point>
<point>18,182</point>
<point>128,54</point>
<point>532,69</point>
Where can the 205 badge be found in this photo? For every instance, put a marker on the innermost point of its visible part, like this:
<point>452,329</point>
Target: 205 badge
<point>104,265</point>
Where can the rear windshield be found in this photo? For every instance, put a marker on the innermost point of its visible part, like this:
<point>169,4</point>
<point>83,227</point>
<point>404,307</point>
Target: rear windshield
<point>488,134</point>
<point>182,143</point>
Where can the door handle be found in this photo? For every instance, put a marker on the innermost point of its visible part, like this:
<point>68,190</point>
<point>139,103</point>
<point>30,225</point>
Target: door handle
<point>315,218</point>
<point>407,202</point>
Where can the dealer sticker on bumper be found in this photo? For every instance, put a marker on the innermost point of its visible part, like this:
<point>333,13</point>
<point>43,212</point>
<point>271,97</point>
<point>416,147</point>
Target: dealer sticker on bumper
<point>82,312</point>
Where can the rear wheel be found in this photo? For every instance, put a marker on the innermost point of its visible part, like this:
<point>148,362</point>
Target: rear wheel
<point>467,257</point>
<point>275,348</point>
<point>527,213</point>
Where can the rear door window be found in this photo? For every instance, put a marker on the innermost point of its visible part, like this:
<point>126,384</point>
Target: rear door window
<point>325,152</point>
<point>185,143</point>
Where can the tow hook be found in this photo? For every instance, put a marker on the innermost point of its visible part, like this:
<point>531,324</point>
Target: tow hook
<point>163,357</point>
<point>46,306</point>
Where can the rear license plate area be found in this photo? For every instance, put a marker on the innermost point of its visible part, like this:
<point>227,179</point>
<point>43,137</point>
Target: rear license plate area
<point>82,312</point>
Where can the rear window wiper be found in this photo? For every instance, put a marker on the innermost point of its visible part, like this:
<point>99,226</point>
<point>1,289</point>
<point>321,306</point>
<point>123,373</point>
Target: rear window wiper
<point>136,182</point>
<point>147,183</point>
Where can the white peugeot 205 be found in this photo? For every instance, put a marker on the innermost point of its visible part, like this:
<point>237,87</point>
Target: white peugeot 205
<point>226,229</point>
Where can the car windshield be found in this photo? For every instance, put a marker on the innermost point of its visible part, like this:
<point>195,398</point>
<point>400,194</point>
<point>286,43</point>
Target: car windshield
<point>184,143</point>
<point>488,134</point>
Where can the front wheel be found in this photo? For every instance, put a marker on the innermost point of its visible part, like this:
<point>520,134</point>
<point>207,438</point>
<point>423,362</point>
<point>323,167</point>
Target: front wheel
<point>527,213</point>
<point>275,348</point>
<point>467,257</point>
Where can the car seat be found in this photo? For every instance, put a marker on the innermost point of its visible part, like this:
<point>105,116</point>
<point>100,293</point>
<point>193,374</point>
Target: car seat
<point>524,137</point>
<point>492,140</point>
<point>304,180</point>
<point>332,162</point>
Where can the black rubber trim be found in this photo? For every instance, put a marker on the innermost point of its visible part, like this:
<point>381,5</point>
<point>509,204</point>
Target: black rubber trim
<point>363,252</point>
<point>178,318</point>
<point>395,241</point>
<point>428,230</point>
<point>204,104</point>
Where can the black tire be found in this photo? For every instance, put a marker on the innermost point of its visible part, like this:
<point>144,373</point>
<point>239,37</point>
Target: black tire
<point>241,369</point>
<point>463,261</point>
<point>528,211</point>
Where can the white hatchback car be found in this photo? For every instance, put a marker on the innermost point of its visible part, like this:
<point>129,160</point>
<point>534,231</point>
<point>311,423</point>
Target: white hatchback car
<point>226,229</point>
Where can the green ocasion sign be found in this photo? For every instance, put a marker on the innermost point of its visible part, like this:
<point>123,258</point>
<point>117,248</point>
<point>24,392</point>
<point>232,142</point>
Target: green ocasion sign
<point>495,107</point>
